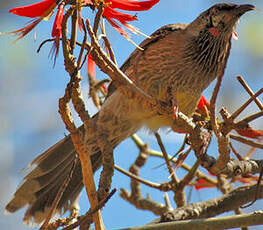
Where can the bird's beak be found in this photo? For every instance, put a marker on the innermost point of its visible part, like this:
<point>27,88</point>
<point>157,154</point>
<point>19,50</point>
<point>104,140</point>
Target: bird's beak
<point>241,9</point>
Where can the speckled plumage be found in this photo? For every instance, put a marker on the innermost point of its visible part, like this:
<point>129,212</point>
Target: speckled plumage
<point>178,62</point>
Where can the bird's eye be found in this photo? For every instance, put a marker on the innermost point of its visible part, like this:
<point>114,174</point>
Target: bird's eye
<point>215,11</point>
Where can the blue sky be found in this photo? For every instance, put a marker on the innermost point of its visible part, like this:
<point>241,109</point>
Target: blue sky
<point>30,89</point>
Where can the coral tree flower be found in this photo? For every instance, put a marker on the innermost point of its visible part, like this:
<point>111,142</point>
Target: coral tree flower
<point>251,133</point>
<point>44,9</point>
<point>41,10</point>
<point>112,15</point>
<point>203,104</point>
<point>91,66</point>
<point>202,183</point>
<point>57,30</point>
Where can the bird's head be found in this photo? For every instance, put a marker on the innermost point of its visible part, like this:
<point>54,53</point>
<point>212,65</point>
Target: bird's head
<point>219,19</point>
<point>209,42</point>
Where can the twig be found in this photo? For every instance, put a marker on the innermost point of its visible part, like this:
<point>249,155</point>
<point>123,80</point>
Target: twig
<point>82,47</point>
<point>252,150</point>
<point>84,157</point>
<point>222,183</point>
<point>84,60</point>
<point>73,92</point>
<point>200,141</point>
<point>44,42</point>
<point>109,47</point>
<point>181,149</point>
<point>198,173</point>
<point>88,216</point>
<point>189,176</point>
<point>235,114</point>
<point>246,141</point>
<point>68,57</point>
<point>239,157</point>
<point>250,118</point>
<point>216,223</point>
<point>257,190</point>
<point>213,207</point>
<point>223,141</point>
<point>160,187</point>
<point>167,201</point>
<point>100,8</point>
<point>74,28</point>
<point>86,164</point>
<point>224,153</point>
<point>139,142</point>
<point>108,165</point>
<point>135,197</point>
<point>250,92</point>
<point>212,106</point>
<point>144,203</point>
<point>165,156</point>
<point>107,43</point>
<point>239,211</point>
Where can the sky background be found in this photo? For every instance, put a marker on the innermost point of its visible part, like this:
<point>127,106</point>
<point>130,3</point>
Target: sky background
<point>30,89</point>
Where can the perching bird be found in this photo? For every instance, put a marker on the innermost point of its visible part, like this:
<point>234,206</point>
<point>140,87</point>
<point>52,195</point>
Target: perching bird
<point>177,63</point>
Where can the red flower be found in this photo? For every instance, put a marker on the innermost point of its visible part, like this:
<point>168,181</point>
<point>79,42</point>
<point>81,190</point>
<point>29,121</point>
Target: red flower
<point>122,17</point>
<point>57,30</point>
<point>57,26</point>
<point>130,5</point>
<point>91,66</point>
<point>44,9</point>
<point>92,70</point>
<point>249,132</point>
<point>203,104</point>
<point>40,9</point>
<point>87,2</point>
<point>203,183</point>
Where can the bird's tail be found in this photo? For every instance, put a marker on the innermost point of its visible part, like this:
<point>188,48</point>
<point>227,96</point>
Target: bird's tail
<point>42,184</point>
<point>115,122</point>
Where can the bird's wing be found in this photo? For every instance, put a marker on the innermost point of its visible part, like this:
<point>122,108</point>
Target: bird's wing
<point>156,36</point>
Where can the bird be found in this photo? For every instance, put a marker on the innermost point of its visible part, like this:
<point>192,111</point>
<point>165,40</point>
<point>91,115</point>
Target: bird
<point>175,65</point>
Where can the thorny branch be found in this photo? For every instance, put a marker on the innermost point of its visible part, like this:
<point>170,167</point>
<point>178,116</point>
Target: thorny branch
<point>73,93</point>
<point>86,219</point>
<point>199,141</point>
<point>213,207</point>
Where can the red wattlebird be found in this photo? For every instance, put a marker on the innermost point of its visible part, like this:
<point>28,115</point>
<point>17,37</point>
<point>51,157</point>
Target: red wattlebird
<point>177,63</point>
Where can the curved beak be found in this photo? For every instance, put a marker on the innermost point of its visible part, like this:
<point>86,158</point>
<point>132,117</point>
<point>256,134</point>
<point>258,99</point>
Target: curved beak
<point>241,9</point>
